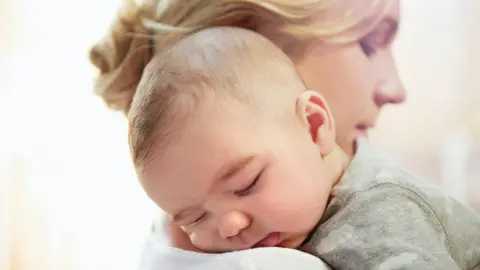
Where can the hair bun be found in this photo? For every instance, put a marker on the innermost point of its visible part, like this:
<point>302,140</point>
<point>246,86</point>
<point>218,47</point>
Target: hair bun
<point>121,57</point>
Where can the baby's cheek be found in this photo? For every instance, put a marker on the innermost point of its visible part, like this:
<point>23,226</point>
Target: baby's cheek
<point>276,210</point>
<point>196,240</point>
<point>289,212</point>
<point>204,241</point>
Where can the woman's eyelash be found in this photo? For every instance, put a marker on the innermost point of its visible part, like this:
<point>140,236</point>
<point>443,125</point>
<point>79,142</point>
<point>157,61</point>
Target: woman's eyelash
<point>366,47</point>
<point>247,190</point>
<point>381,37</point>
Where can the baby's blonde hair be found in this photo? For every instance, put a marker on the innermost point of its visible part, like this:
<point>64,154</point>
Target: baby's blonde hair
<point>226,65</point>
<point>142,29</point>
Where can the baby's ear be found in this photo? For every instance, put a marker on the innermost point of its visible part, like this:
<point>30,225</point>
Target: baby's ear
<point>314,113</point>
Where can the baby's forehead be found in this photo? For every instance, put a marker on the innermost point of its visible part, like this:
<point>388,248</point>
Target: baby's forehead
<point>189,165</point>
<point>227,66</point>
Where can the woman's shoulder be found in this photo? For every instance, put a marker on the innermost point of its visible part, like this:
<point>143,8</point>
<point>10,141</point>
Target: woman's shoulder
<point>158,253</point>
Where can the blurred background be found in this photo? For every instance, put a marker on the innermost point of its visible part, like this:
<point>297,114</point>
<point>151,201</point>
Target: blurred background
<point>68,194</point>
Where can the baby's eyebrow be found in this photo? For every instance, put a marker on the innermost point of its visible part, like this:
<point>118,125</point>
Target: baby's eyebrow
<point>231,169</point>
<point>180,215</point>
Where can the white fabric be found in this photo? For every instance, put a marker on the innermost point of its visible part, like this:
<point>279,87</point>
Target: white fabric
<point>160,256</point>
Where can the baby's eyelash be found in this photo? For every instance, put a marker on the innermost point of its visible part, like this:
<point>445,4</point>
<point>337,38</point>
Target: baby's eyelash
<point>199,218</point>
<point>246,191</point>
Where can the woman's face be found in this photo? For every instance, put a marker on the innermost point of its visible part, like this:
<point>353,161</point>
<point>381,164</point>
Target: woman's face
<point>356,79</point>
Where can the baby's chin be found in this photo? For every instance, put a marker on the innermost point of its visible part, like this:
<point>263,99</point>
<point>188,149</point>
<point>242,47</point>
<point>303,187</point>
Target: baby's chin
<point>294,242</point>
<point>288,241</point>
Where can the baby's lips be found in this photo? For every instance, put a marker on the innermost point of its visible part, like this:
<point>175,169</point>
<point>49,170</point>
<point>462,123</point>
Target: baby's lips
<point>271,240</point>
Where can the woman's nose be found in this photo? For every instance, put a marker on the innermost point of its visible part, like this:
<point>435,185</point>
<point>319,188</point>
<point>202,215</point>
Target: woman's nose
<point>390,92</point>
<point>232,224</point>
<point>390,89</point>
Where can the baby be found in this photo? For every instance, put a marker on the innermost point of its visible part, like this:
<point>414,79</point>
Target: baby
<point>227,140</point>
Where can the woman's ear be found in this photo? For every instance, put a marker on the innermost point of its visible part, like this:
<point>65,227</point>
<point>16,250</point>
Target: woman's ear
<point>314,113</point>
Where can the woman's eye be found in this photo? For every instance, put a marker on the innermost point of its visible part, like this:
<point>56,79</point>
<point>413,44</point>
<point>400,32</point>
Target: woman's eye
<point>246,191</point>
<point>367,48</point>
<point>381,37</point>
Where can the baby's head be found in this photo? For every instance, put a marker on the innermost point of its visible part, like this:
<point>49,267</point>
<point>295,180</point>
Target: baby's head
<point>229,143</point>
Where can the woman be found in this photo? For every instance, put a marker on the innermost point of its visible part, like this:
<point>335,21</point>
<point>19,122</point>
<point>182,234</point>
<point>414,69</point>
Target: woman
<point>340,47</point>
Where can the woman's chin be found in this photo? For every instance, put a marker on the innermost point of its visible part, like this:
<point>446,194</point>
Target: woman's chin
<point>361,133</point>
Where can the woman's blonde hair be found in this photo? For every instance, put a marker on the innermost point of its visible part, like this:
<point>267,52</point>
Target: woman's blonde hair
<point>143,28</point>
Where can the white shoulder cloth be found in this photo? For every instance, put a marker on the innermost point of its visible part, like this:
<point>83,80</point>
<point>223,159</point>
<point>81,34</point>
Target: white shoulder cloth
<point>157,255</point>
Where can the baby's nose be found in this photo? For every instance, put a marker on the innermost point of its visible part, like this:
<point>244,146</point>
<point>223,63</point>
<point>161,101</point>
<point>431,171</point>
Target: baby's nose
<point>232,223</point>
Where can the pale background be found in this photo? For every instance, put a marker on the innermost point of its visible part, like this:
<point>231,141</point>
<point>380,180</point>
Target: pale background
<point>68,195</point>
